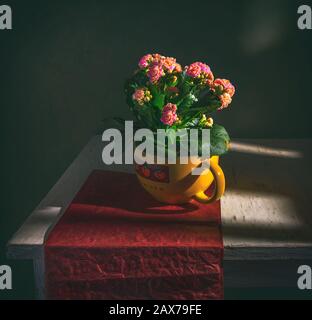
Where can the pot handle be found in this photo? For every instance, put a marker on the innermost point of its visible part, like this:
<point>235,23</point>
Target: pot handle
<point>219,188</point>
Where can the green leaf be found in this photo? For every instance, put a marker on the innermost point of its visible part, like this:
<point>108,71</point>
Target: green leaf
<point>158,98</point>
<point>219,140</point>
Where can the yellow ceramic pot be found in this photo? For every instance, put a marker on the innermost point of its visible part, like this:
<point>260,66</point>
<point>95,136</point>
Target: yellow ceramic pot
<point>174,183</point>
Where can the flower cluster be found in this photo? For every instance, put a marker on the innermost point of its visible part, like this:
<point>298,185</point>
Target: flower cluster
<point>156,66</point>
<point>141,96</point>
<point>169,114</point>
<point>199,70</point>
<point>162,94</point>
<point>225,91</point>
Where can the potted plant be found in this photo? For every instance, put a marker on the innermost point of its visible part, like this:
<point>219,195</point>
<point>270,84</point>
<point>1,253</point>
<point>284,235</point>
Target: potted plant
<point>163,95</point>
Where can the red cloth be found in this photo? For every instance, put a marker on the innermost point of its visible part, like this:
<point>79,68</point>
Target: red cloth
<point>116,242</point>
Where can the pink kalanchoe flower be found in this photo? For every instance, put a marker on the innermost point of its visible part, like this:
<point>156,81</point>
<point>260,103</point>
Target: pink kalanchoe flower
<point>178,67</point>
<point>204,67</point>
<point>229,88</point>
<point>194,70</point>
<point>141,95</point>
<point>200,69</point>
<point>158,57</point>
<point>206,72</point>
<point>145,61</point>
<point>138,95</point>
<point>225,99</point>
<point>155,72</point>
<point>224,85</point>
<point>169,64</point>
<point>170,107</point>
<point>169,115</point>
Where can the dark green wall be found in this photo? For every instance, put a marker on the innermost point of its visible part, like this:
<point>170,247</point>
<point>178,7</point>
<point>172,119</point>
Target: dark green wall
<point>63,65</point>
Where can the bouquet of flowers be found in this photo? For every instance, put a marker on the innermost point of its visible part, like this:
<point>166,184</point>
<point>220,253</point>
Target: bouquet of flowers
<point>163,95</point>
